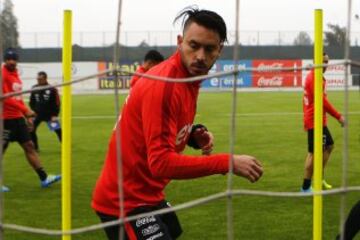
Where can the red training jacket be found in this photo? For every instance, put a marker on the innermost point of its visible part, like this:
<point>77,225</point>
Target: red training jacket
<point>155,123</point>
<point>14,107</point>
<point>308,103</point>
<point>135,78</point>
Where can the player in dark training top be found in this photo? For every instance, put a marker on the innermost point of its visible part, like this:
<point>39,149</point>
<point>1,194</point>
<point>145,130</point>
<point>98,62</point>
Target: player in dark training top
<point>46,105</point>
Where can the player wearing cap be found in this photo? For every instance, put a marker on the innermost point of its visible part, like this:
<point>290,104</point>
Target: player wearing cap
<point>18,119</point>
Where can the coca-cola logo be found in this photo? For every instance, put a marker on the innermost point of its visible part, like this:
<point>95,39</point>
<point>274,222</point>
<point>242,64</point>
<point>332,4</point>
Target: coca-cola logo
<point>262,67</point>
<point>275,81</point>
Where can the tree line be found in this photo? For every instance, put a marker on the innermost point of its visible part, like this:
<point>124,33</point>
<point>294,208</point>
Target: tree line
<point>335,36</point>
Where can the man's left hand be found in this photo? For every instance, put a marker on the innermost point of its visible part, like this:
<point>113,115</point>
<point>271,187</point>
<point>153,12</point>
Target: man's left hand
<point>205,140</point>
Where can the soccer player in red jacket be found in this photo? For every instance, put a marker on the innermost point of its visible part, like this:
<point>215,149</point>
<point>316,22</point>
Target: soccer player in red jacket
<point>156,124</point>
<point>328,142</point>
<point>151,59</point>
<point>18,119</point>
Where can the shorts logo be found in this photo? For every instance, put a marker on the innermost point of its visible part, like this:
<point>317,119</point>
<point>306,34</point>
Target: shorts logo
<point>150,229</point>
<point>145,220</point>
<point>6,135</point>
<point>160,234</point>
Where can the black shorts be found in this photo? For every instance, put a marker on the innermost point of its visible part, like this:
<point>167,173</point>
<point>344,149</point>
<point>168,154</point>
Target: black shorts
<point>327,139</point>
<point>159,227</point>
<point>16,130</point>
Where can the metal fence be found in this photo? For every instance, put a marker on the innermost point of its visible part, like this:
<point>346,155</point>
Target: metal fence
<point>160,38</point>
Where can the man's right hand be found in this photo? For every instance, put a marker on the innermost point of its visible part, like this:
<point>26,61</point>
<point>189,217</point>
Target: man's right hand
<point>248,167</point>
<point>342,121</point>
<point>30,124</point>
<point>30,114</point>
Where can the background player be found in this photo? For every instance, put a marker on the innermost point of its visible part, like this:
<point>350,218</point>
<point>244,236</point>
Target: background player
<point>46,105</point>
<point>328,142</point>
<point>151,59</point>
<point>18,118</point>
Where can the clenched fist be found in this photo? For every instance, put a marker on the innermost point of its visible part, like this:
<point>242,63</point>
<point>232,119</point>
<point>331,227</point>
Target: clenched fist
<point>248,167</point>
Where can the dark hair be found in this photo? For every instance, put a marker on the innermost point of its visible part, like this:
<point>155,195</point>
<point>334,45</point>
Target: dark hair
<point>208,19</point>
<point>153,55</point>
<point>11,54</point>
<point>42,73</point>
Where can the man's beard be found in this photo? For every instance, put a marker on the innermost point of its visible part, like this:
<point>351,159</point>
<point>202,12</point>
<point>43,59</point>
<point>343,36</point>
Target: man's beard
<point>11,67</point>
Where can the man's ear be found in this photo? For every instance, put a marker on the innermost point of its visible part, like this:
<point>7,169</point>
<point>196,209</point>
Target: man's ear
<point>221,48</point>
<point>179,40</point>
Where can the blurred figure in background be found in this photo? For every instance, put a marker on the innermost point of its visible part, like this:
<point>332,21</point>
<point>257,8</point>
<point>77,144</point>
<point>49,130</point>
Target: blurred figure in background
<point>46,105</point>
<point>151,59</point>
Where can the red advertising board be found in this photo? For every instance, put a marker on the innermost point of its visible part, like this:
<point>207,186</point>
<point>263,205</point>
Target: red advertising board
<point>268,73</point>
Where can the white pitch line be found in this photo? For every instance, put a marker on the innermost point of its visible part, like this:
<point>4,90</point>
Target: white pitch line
<point>277,114</point>
<point>91,117</point>
<point>266,114</point>
<point>95,117</point>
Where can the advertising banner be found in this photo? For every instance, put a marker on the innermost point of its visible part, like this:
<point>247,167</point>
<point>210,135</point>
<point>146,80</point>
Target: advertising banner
<point>107,81</point>
<point>28,73</point>
<point>243,79</point>
<point>334,75</point>
<point>267,75</point>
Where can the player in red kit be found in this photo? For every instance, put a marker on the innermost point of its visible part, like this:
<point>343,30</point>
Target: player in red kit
<point>18,119</point>
<point>328,142</point>
<point>151,59</point>
<point>156,125</point>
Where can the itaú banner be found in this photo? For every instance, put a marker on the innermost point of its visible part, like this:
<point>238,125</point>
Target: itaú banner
<point>268,73</point>
<point>107,81</point>
<point>334,75</point>
<point>28,73</point>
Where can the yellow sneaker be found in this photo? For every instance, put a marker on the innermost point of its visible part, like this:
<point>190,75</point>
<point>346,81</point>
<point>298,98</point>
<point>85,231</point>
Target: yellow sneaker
<point>326,186</point>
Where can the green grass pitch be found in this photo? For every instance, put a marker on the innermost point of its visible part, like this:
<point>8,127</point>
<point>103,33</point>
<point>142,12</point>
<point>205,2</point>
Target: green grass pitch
<point>269,126</point>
